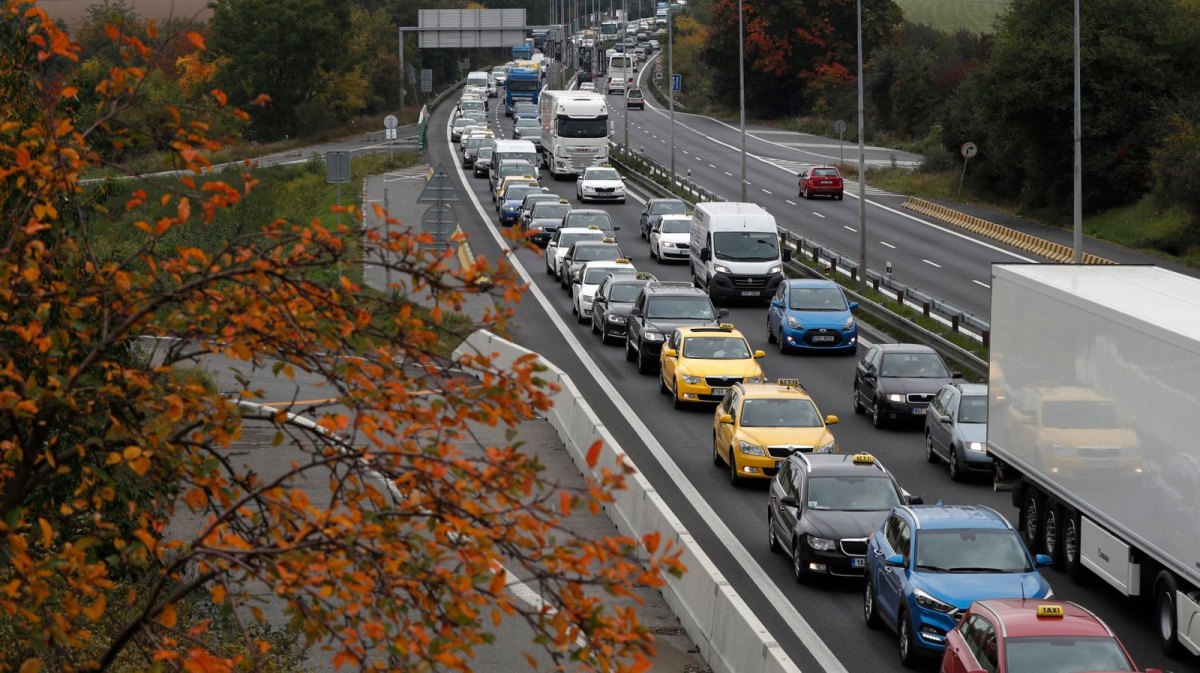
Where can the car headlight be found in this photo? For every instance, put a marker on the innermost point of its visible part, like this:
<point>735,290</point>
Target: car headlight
<point>775,269</point>
<point>653,336</point>
<point>793,323</point>
<point>1059,450</point>
<point>620,320</point>
<point>895,398</point>
<point>751,449</point>
<point>820,543</point>
<point>666,244</point>
<point>975,446</point>
<point>720,268</point>
<point>827,447</point>
<point>690,380</point>
<point>930,603</point>
<point>849,324</point>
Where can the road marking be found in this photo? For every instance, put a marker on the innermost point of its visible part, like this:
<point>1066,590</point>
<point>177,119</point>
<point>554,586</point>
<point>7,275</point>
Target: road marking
<point>887,244</point>
<point>818,214</point>
<point>933,264</point>
<point>764,190</point>
<point>686,152</point>
<point>712,166</point>
<point>788,200</point>
<point>980,282</point>
<point>731,175</point>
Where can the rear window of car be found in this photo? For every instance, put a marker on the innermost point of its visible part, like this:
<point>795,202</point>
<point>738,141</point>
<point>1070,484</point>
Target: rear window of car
<point>825,172</point>
<point>635,93</point>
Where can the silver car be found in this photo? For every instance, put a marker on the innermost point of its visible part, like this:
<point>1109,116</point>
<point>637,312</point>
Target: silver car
<point>956,429</point>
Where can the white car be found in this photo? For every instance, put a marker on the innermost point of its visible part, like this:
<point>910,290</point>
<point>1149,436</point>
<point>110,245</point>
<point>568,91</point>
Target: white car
<point>590,277</point>
<point>499,75</point>
<point>671,237</point>
<point>616,85</point>
<point>469,132</point>
<point>561,241</point>
<point>587,86</point>
<point>600,183</point>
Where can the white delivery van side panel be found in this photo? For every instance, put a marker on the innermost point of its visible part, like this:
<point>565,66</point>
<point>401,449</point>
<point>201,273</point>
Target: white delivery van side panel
<point>1094,386</point>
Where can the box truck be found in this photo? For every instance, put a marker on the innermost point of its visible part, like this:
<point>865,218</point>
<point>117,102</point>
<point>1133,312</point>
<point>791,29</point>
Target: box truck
<point>575,130</point>
<point>1093,420</point>
<point>735,251</point>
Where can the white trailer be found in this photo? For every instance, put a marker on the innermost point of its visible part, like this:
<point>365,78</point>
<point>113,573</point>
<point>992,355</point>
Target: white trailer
<point>575,130</point>
<point>1093,419</point>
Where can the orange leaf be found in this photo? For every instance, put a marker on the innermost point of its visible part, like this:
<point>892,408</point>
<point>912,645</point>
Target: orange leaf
<point>167,617</point>
<point>564,503</point>
<point>218,593</point>
<point>651,540</point>
<point>47,532</point>
<point>31,666</point>
<point>593,453</point>
<point>196,39</point>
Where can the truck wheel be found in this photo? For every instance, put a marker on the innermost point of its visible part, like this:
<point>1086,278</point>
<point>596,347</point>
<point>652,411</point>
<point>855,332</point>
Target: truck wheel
<point>1052,532</point>
<point>1071,545</point>
<point>1165,587</point>
<point>1031,517</point>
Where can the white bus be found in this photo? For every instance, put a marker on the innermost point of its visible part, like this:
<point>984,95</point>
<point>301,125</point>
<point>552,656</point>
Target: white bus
<point>621,72</point>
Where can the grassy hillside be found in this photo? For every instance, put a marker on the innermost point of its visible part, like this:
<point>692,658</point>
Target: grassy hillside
<point>950,15</point>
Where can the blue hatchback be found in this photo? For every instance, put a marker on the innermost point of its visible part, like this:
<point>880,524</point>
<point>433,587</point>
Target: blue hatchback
<point>812,315</point>
<point>927,564</point>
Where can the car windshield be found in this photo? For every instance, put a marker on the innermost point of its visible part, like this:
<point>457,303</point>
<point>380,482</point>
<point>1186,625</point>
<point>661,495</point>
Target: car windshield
<point>680,308</point>
<point>485,153</point>
<point>594,253</point>
<point>555,210</point>
<point>1064,654</point>
<point>676,226</point>
<point>973,409</point>
<point>519,192</point>
<point>595,276</point>
<point>716,348</point>
<point>524,109</point>
<point>913,366</point>
<point>788,412</point>
<point>746,246</point>
<point>816,299</point>
<point>668,208</point>
<point>852,494</point>
<point>1080,414</point>
<point>624,294</point>
<point>582,128</point>
<point>565,240</point>
<point>461,123</point>
<point>601,174</point>
<point>523,84</point>
<point>472,105</point>
<point>528,123</point>
<point>587,219</point>
<point>971,550</point>
<point>825,172</point>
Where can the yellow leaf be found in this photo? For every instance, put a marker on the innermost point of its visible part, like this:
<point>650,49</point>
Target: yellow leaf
<point>96,609</point>
<point>167,617</point>
<point>47,532</point>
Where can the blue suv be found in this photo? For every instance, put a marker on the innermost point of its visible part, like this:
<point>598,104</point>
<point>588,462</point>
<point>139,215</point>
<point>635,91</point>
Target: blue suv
<point>812,315</point>
<point>927,564</point>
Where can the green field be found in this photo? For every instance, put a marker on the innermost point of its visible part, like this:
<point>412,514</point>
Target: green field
<point>950,15</point>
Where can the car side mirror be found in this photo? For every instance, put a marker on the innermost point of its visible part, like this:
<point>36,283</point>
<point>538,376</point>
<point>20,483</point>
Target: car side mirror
<point>759,354</point>
<point>894,560</point>
<point>944,418</point>
<point>785,255</point>
<point>913,499</point>
<point>616,228</point>
<point>1043,560</point>
<point>788,501</point>
<point>831,420</point>
<point>956,375</point>
<point>635,312</point>
<point>722,313</point>
<point>669,352</point>
<point>853,305</point>
<point>725,419</point>
<point>705,254</point>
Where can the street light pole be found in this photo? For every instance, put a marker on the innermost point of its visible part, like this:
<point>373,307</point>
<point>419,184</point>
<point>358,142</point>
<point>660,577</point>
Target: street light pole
<point>670,82</point>
<point>862,169</point>
<point>742,97</point>
<point>625,87</point>
<point>1078,172</point>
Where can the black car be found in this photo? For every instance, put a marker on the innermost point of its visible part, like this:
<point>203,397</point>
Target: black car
<point>585,251</point>
<point>471,151</point>
<point>656,208</point>
<point>897,382</point>
<point>483,162</point>
<point>823,507</point>
<point>657,311</point>
<point>587,218</point>
<point>610,306</point>
<point>544,219</point>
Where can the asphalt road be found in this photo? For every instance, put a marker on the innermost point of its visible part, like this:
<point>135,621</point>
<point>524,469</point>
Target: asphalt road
<point>821,626</point>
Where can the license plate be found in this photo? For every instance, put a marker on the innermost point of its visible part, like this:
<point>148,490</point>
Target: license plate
<point>822,338</point>
<point>919,411</point>
<point>749,293</point>
<point>719,391</point>
<point>858,562</point>
<point>827,182</point>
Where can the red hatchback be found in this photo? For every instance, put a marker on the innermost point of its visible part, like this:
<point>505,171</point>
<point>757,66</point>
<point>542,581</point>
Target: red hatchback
<point>1012,635</point>
<point>819,180</point>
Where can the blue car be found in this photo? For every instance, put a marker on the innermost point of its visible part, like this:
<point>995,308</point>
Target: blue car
<point>514,198</point>
<point>927,564</point>
<point>812,315</point>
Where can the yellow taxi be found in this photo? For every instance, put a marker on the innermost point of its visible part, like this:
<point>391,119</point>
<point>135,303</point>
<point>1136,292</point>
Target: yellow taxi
<point>504,184</point>
<point>699,364</point>
<point>757,426</point>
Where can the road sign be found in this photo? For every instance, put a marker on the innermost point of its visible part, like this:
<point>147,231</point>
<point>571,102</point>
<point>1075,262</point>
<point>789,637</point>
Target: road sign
<point>390,122</point>
<point>337,167</point>
<point>676,82</point>
<point>839,127</point>
<point>389,134</point>
<point>426,80</point>
<point>439,189</point>
<point>969,150</point>
<point>440,221</point>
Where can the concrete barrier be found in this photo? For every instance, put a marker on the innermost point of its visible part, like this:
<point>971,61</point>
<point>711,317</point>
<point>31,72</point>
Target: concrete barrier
<point>730,637</point>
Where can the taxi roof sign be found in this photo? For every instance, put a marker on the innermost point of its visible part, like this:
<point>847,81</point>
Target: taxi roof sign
<point>610,239</point>
<point>621,260</point>
<point>789,383</point>
<point>592,226</point>
<point>864,459</point>
<point>726,325</point>
<point>1050,611</point>
<point>644,275</point>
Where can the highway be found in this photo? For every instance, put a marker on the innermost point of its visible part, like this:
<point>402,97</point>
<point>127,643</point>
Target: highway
<point>820,625</point>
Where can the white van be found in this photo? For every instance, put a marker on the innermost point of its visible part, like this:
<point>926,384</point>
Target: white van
<point>478,78</point>
<point>515,149</point>
<point>735,251</point>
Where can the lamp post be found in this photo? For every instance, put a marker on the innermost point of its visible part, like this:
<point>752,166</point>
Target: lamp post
<point>670,81</point>
<point>862,172</point>
<point>625,88</point>
<point>742,97</point>
<point>1078,171</point>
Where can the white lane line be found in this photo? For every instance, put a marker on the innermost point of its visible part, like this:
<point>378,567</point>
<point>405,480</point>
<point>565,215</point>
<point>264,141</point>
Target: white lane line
<point>764,190</point>
<point>712,166</point>
<point>818,214</point>
<point>731,175</point>
<point>790,201</point>
<point>686,152</point>
<point>791,617</point>
<point>848,227</point>
<point>933,264</point>
<point>663,142</point>
<point>981,283</point>
<point>885,243</point>
<point>698,159</point>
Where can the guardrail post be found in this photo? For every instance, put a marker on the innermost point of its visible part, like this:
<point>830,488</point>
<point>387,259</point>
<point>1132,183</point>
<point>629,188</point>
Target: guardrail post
<point>986,337</point>
<point>816,254</point>
<point>925,308</point>
<point>854,273</point>
<point>954,320</point>
<point>900,297</point>
<point>875,283</point>
<point>833,265</point>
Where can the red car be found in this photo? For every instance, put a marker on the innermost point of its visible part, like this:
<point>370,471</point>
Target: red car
<point>1012,635</point>
<point>813,180</point>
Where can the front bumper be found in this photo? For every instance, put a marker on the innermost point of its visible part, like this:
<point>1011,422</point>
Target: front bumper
<point>591,195</point>
<point>509,218</point>
<point>748,286</point>
<point>820,339</point>
<point>754,467</point>
<point>673,253</point>
<point>832,562</point>
<point>612,328</point>
<point>930,627</point>
<point>900,411</point>
<point>702,393</point>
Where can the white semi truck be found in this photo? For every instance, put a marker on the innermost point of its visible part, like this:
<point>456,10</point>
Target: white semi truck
<point>1094,423</point>
<point>575,130</point>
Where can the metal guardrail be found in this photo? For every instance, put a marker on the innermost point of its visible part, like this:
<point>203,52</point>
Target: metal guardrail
<point>653,171</point>
<point>423,124</point>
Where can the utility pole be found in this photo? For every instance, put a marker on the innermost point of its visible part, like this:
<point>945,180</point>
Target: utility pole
<point>862,169</point>
<point>1078,172</point>
<point>670,88</point>
<point>625,88</point>
<point>742,97</point>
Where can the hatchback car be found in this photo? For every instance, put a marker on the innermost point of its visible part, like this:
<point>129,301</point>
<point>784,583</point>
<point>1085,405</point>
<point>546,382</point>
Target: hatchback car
<point>583,291</point>
<point>670,238</point>
<point>928,563</point>
<point>956,429</point>
<point>897,382</point>
<point>812,315</point>
<point>635,99</point>
<point>526,126</point>
<point>819,181</point>
<point>524,111</point>
<point>610,306</point>
<point>589,217</point>
<point>656,208</point>
<point>483,162</point>
<point>560,242</point>
<point>1013,636</point>
<point>700,364</point>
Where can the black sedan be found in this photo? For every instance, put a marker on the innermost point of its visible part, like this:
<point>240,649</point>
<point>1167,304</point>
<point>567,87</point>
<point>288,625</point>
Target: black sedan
<point>610,306</point>
<point>897,382</point>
